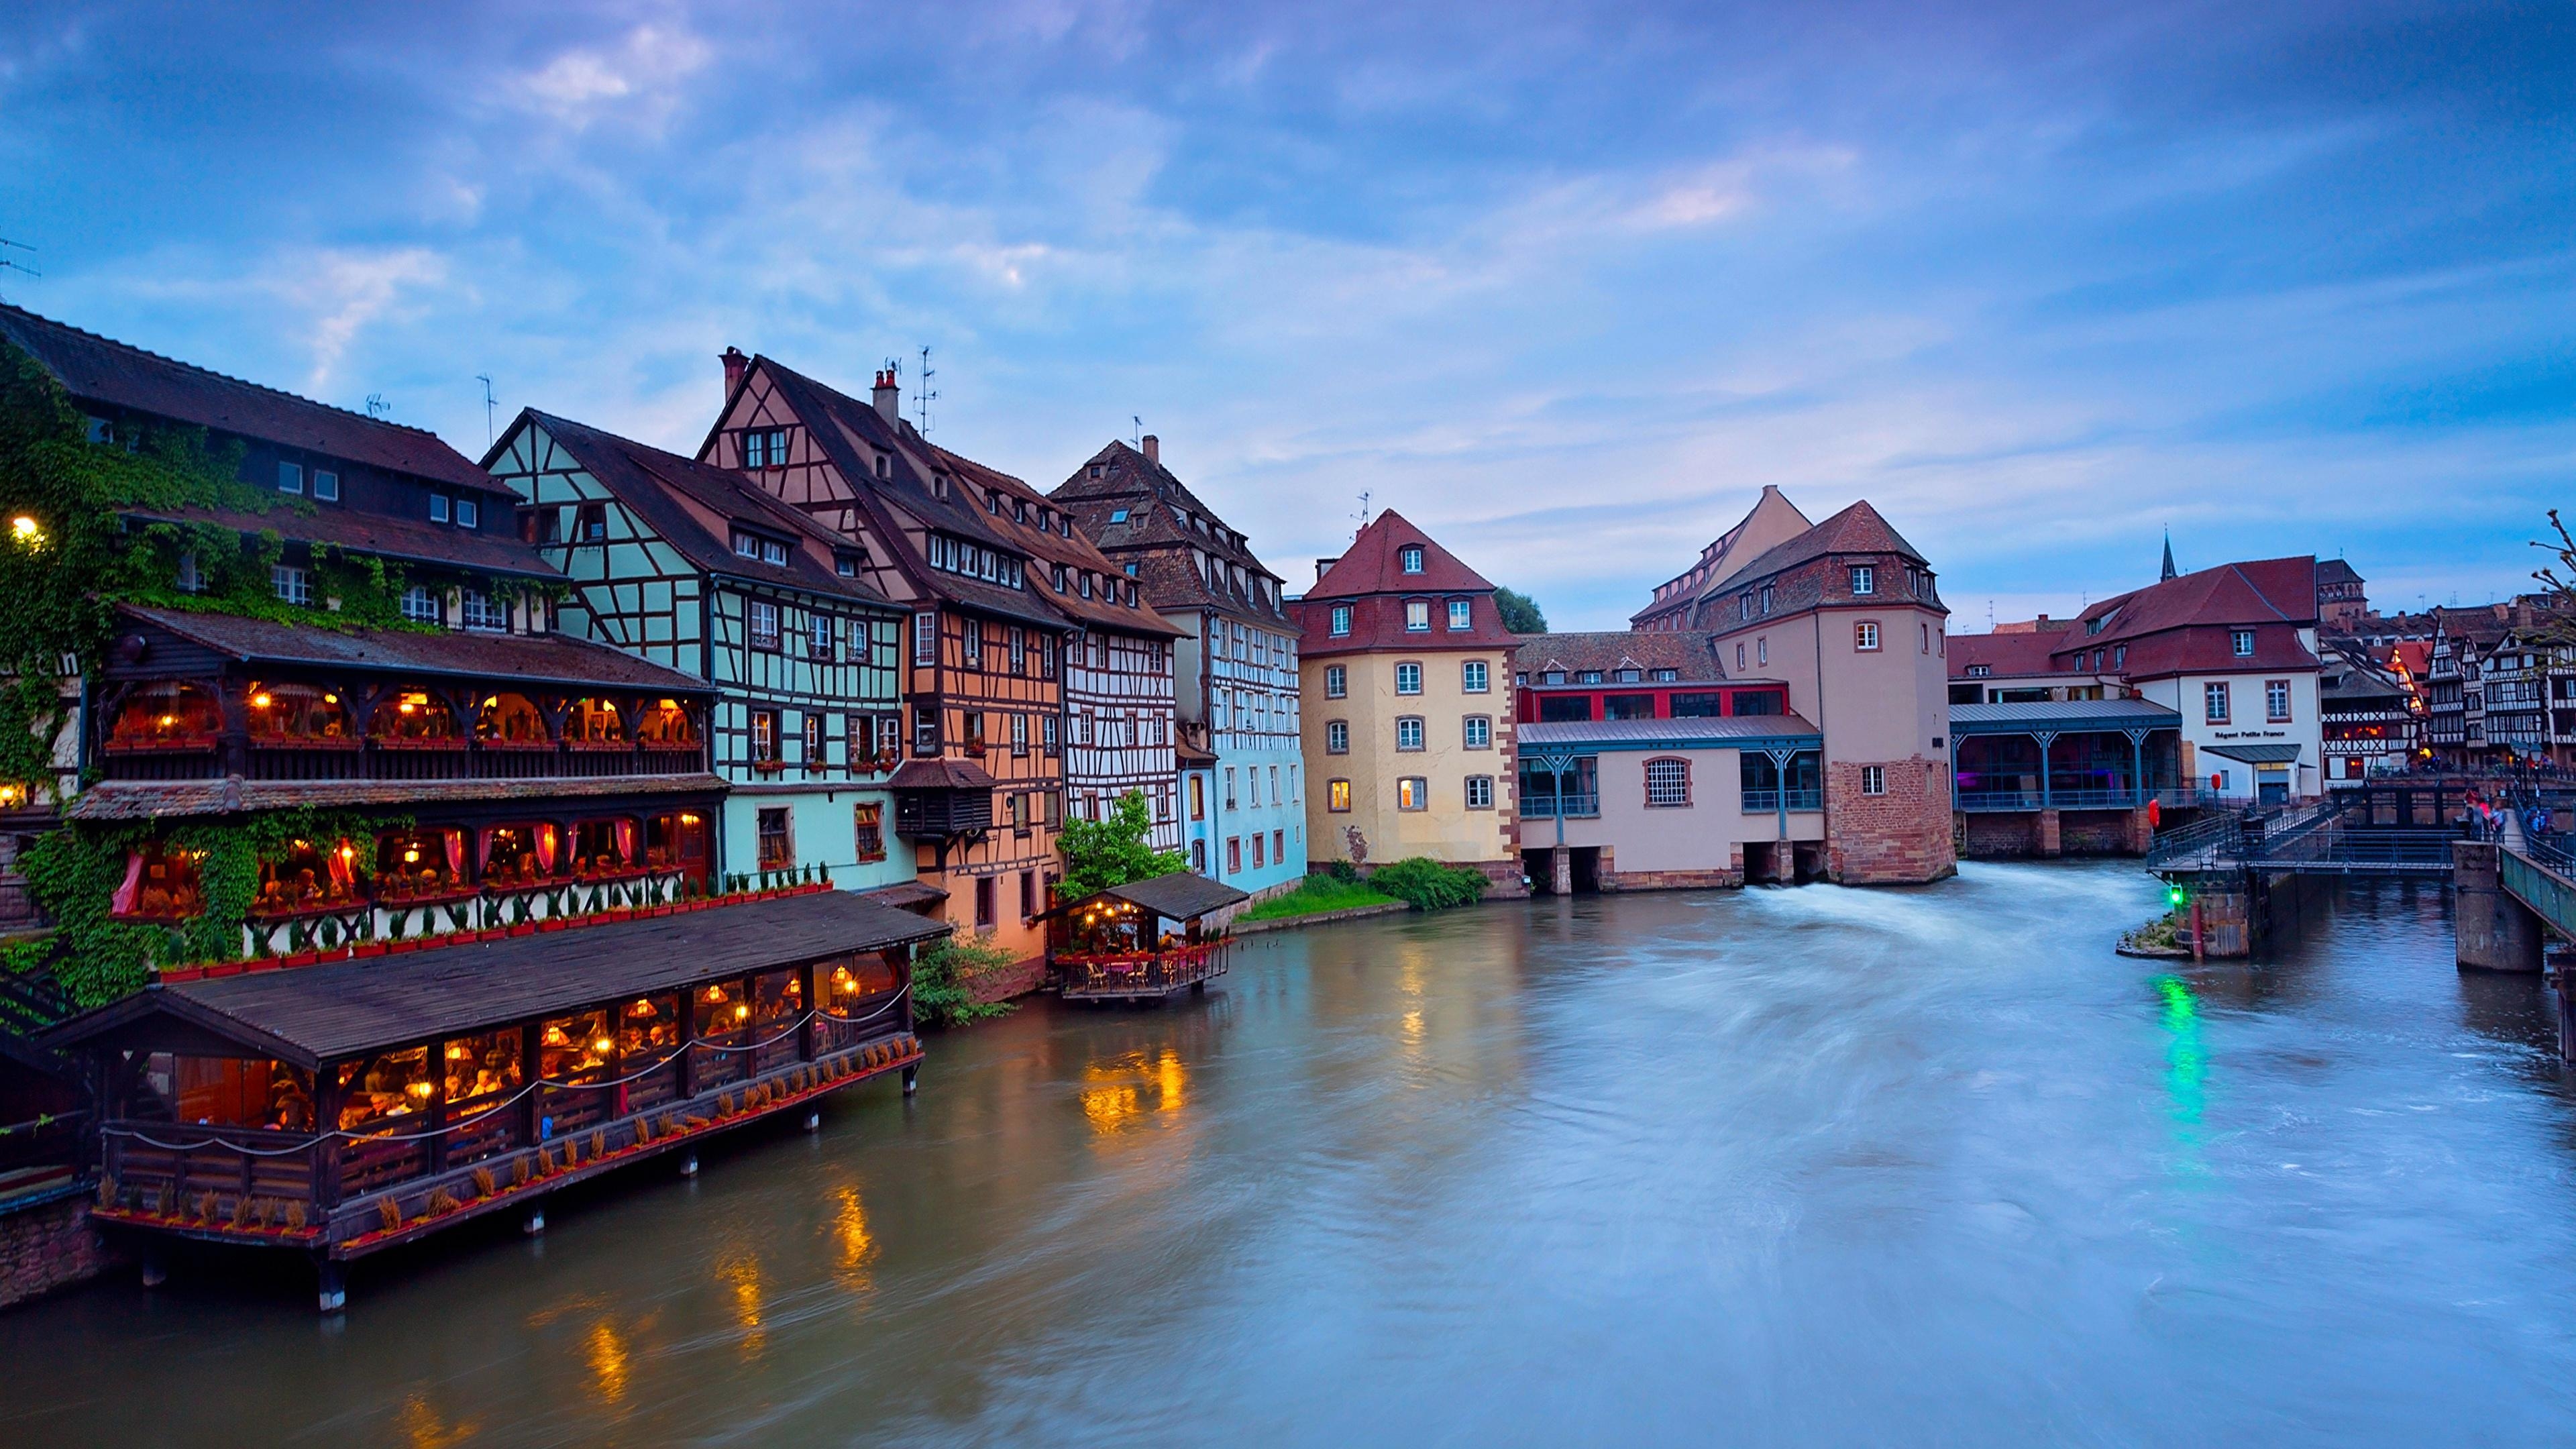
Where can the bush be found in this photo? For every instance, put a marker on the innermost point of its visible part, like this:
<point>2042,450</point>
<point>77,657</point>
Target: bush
<point>940,994</point>
<point>1427,885</point>
<point>1343,871</point>
<point>1318,893</point>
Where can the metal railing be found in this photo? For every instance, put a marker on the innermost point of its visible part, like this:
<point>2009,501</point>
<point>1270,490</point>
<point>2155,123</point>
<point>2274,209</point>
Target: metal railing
<point>1763,802</point>
<point>1584,806</point>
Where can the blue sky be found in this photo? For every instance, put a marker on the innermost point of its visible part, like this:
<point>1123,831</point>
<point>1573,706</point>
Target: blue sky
<point>1566,284</point>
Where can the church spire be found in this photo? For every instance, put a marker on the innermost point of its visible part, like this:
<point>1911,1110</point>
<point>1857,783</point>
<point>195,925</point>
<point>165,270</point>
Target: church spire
<point>2169,568</point>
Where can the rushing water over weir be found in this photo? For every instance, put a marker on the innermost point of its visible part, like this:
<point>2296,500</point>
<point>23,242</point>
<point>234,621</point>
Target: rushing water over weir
<point>1810,1165</point>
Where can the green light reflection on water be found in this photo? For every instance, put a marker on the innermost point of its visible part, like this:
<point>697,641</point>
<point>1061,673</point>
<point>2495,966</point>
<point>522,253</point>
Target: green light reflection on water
<point>2186,1059</point>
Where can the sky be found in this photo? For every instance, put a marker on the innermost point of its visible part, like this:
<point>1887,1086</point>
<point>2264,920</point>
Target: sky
<point>1564,284</point>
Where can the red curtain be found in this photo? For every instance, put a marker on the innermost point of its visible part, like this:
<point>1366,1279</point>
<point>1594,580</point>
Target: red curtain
<point>122,903</point>
<point>341,873</point>
<point>456,852</point>
<point>625,840</point>
<point>546,848</point>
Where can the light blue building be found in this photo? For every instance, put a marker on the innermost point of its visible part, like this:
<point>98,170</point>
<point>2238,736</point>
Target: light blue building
<point>1242,798</point>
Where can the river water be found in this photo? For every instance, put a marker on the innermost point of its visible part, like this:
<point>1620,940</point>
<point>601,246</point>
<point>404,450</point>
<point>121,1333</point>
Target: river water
<point>1811,1166</point>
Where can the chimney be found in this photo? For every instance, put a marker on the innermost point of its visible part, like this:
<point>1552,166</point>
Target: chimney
<point>888,397</point>
<point>1153,449</point>
<point>735,364</point>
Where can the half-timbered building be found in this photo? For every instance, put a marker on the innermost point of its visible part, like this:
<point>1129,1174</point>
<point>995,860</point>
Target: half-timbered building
<point>1242,809</point>
<point>980,794</point>
<point>401,677</point>
<point>692,567</point>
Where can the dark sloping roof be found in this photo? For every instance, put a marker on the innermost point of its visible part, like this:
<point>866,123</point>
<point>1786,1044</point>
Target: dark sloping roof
<point>1371,566</point>
<point>156,799</point>
<point>1129,512</point>
<point>2254,754</point>
<point>2258,591</point>
<point>1730,732</point>
<point>2061,714</point>
<point>1684,593</point>
<point>540,658</point>
<point>1180,896</point>
<point>319,1013</point>
<point>403,539</point>
<point>2005,656</point>
<point>95,368</point>
<point>1690,652</point>
<point>659,486</point>
<point>1047,549</point>
<point>940,774</point>
<point>2336,571</point>
<point>1857,529</point>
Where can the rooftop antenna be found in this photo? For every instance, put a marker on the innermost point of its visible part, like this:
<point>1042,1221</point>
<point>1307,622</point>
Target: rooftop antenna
<point>1362,515</point>
<point>922,394</point>
<point>1136,439</point>
<point>377,407</point>
<point>489,435</point>
<point>9,263</point>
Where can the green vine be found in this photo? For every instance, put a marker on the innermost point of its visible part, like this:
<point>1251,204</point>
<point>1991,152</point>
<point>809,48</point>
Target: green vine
<point>75,873</point>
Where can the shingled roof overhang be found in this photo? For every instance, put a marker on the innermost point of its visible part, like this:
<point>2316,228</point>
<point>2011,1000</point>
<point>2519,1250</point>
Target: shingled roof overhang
<point>2063,715</point>
<point>557,659</point>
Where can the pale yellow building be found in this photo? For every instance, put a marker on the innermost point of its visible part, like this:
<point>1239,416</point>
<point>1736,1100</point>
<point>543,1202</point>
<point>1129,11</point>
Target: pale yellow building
<point>1405,671</point>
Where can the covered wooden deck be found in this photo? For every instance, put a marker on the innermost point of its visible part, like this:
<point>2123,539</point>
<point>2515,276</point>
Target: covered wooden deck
<point>342,1109</point>
<point>1143,940</point>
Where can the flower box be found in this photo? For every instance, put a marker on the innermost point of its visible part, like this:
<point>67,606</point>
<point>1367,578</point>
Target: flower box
<point>524,928</point>
<point>367,948</point>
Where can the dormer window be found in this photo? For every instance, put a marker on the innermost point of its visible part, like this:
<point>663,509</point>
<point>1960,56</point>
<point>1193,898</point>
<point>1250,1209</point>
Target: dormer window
<point>1086,584</point>
<point>468,513</point>
<point>885,466</point>
<point>2243,641</point>
<point>844,565</point>
<point>1864,579</point>
<point>1118,515</point>
<point>1409,558</point>
<point>1099,470</point>
<point>437,506</point>
<point>768,550</point>
<point>290,478</point>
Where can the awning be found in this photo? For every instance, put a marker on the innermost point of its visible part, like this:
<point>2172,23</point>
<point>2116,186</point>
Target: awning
<point>2254,754</point>
<point>1179,896</point>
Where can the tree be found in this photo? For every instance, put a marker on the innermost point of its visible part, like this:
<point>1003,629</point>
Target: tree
<point>1520,612</point>
<point>1109,852</point>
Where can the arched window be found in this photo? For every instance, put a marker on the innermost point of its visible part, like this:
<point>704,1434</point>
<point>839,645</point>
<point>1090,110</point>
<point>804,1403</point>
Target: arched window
<point>295,713</point>
<point>594,722</point>
<point>665,724</point>
<point>166,715</point>
<point>510,719</point>
<point>410,716</point>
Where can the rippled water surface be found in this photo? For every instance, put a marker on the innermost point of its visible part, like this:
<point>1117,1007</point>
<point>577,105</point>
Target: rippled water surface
<point>1777,1166</point>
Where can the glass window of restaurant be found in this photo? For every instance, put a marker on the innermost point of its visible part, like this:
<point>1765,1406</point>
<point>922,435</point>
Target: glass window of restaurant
<point>522,853</point>
<point>166,715</point>
<point>510,719</point>
<point>575,1052</point>
<point>287,713</point>
<point>482,1075</point>
<point>221,1092</point>
<point>308,875</point>
<point>648,1036</point>
<point>414,717</point>
<point>677,841</point>
<point>720,1017</point>
<point>603,847</point>
<point>380,1093</point>
<point>420,865</point>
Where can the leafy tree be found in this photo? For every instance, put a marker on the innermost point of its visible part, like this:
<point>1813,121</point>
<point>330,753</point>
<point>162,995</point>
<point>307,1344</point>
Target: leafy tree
<point>942,993</point>
<point>1520,612</point>
<point>1109,852</point>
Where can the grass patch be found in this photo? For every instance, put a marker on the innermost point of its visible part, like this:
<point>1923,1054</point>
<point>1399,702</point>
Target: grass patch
<point>1319,893</point>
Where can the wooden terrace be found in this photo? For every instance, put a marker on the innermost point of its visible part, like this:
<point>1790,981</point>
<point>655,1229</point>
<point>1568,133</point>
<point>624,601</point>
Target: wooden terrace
<point>1141,941</point>
<point>345,1107</point>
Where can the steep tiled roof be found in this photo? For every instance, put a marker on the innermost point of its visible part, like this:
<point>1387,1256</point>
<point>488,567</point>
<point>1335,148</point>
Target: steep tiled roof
<point>2260,591</point>
<point>1076,553</point>
<point>2004,655</point>
<point>1134,508</point>
<point>94,368</point>
<point>404,540</point>
<point>1692,653</point>
<point>1857,529</point>
<point>1371,564</point>
<point>1771,518</point>
<point>940,774</point>
<point>544,658</point>
<point>661,487</point>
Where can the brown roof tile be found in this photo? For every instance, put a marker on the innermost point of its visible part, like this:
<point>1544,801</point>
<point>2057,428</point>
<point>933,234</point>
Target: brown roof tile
<point>546,658</point>
<point>154,799</point>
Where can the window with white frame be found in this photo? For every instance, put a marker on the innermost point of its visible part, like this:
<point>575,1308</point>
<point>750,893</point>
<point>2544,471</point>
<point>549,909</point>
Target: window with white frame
<point>469,514</point>
<point>1478,732</point>
<point>1461,614</point>
<point>2242,641</point>
<point>2213,703</point>
<point>925,638</point>
<point>293,585</point>
<point>1474,676</point>
<point>1337,737</point>
<point>1480,792</point>
<point>420,606</point>
<point>1873,779</point>
<point>1409,558</point>
<point>1408,678</point>
<point>819,636</point>
<point>290,477</point>
<point>1865,635</point>
<point>1341,622</point>
<point>1417,616</point>
<point>2276,701</point>
<point>1864,579</point>
<point>1412,793</point>
<point>438,508</point>
<point>762,624</point>
<point>1667,784</point>
<point>1337,682</point>
<point>1408,732</point>
<point>481,611</point>
<point>326,485</point>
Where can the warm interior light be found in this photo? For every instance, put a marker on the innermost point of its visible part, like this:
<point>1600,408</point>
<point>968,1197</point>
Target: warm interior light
<point>601,1045</point>
<point>330,699</point>
<point>715,993</point>
<point>420,1090</point>
<point>259,700</point>
<point>688,819</point>
<point>168,720</point>
<point>640,1008</point>
<point>741,1010</point>
<point>412,856</point>
<point>406,706</point>
<point>456,1051</point>
<point>555,1036</point>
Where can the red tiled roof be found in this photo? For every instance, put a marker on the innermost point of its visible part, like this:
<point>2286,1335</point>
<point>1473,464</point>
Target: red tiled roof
<point>2005,655</point>
<point>2261,591</point>
<point>1370,580</point>
<point>99,369</point>
<point>1371,566</point>
<point>1857,529</point>
<point>1691,653</point>
<point>940,774</point>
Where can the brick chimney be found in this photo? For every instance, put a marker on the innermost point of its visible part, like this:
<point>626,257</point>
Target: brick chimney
<point>888,396</point>
<point>1153,449</point>
<point>735,364</point>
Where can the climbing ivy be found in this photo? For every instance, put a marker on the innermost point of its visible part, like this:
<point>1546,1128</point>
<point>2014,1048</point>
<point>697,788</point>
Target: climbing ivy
<point>75,871</point>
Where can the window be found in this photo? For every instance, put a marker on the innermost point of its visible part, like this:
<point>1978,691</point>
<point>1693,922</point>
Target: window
<point>1472,676</point>
<point>971,652</point>
<point>1865,635</point>
<point>764,448</point>
<point>867,828</point>
<point>763,625</point>
<point>983,903</point>
<point>1479,732</point>
<point>1019,650</point>
<point>1739,655</point>
<point>2119,656</point>
<point>1480,792</point>
<point>1744,606</point>
<point>746,546</point>
<point>190,578</point>
<point>777,840</point>
<point>1864,579</point>
<point>438,508</point>
<point>1667,784</point>
<point>1337,737</point>
<point>420,606</point>
<point>1766,600</point>
<point>2243,642</point>
<point>1980,671</point>
<point>290,477</point>
<point>1337,682</point>
<point>925,729</point>
<point>1047,735</point>
<point>1337,796</point>
<point>1461,614</point>
<point>1279,846</point>
<point>468,513</point>
<point>1234,854</point>
<point>1019,734</point>
<point>1028,894</point>
<point>844,565</point>
<point>925,638</point>
<point>1589,676</point>
<point>1762,650</point>
<point>590,523</point>
<point>764,736</point>
<point>1667,676</point>
<point>1412,793</point>
<point>1873,779</point>
<point>326,485</point>
<point>1408,732</point>
<point>1019,810</point>
<point>481,611</point>
<point>1417,616</point>
<point>293,585</point>
<point>1257,861</point>
<point>819,632</point>
<point>1409,558</point>
<point>1408,678</point>
<point>1229,787</point>
<point>2213,703</point>
<point>2276,701</point>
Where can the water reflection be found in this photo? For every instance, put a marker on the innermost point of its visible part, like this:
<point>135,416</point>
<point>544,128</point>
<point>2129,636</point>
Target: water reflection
<point>1792,1166</point>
